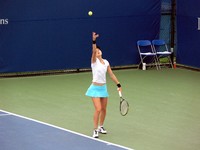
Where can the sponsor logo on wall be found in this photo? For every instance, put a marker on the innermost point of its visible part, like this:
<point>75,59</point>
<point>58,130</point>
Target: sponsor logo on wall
<point>3,21</point>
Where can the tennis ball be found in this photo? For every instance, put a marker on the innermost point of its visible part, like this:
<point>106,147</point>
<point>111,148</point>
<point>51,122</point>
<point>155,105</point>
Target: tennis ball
<point>90,13</point>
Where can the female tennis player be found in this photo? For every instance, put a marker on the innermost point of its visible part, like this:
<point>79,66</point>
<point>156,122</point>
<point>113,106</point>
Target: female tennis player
<point>98,89</point>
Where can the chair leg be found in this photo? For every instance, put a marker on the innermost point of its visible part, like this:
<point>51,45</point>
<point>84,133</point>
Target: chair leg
<point>170,62</point>
<point>141,61</point>
<point>158,63</point>
<point>139,65</point>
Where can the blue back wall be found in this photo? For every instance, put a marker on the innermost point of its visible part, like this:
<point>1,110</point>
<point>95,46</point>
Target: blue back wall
<point>188,34</point>
<point>56,34</point>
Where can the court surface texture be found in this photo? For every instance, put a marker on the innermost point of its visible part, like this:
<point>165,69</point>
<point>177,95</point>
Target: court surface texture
<point>52,112</point>
<point>18,132</point>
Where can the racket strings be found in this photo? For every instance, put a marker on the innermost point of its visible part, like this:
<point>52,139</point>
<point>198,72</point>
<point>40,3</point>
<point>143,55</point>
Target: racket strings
<point>124,107</point>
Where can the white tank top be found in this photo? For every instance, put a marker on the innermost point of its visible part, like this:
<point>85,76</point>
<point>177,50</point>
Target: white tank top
<point>99,71</point>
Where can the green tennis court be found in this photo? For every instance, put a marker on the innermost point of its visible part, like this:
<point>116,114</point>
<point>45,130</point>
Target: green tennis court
<point>164,106</point>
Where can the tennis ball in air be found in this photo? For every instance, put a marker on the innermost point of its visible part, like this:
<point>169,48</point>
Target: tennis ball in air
<point>90,13</point>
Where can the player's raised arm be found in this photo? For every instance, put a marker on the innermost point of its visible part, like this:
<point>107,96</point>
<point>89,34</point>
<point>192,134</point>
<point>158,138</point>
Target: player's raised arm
<point>94,46</point>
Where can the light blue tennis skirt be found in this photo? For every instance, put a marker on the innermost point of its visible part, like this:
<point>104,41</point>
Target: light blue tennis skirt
<point>97,91</point>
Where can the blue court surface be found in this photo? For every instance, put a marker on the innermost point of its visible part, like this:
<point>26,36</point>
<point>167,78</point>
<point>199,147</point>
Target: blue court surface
<point>22,133</point>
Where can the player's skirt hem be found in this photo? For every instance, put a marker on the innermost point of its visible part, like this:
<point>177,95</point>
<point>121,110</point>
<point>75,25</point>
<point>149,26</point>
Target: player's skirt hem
<point>97,91</point>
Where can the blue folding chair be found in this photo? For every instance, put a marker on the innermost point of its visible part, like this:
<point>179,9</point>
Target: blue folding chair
<point>162,51</point>
<point>147,54</point>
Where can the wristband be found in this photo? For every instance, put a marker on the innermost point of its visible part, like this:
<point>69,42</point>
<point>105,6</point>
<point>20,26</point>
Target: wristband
<point>93,42</point>
<point>118,85</point>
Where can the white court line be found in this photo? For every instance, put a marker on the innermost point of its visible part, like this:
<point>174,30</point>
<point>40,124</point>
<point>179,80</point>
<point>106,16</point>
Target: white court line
<point>50,125</point>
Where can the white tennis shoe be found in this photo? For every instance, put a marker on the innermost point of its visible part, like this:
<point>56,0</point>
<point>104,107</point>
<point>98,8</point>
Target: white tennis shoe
<point>95,134</point>
<point>102,130</point>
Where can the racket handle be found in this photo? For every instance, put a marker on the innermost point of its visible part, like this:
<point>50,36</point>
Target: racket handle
<point>120,93</point>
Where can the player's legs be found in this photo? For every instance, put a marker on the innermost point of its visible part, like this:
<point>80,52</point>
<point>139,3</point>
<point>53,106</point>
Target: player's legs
<point>103,110</point>
<point>98,107</point>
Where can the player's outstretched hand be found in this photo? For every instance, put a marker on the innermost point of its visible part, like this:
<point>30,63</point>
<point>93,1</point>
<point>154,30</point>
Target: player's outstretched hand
<point>94,36</point>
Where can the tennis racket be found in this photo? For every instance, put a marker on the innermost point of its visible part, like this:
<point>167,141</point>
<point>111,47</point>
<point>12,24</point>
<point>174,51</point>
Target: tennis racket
<point>124,106</point>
